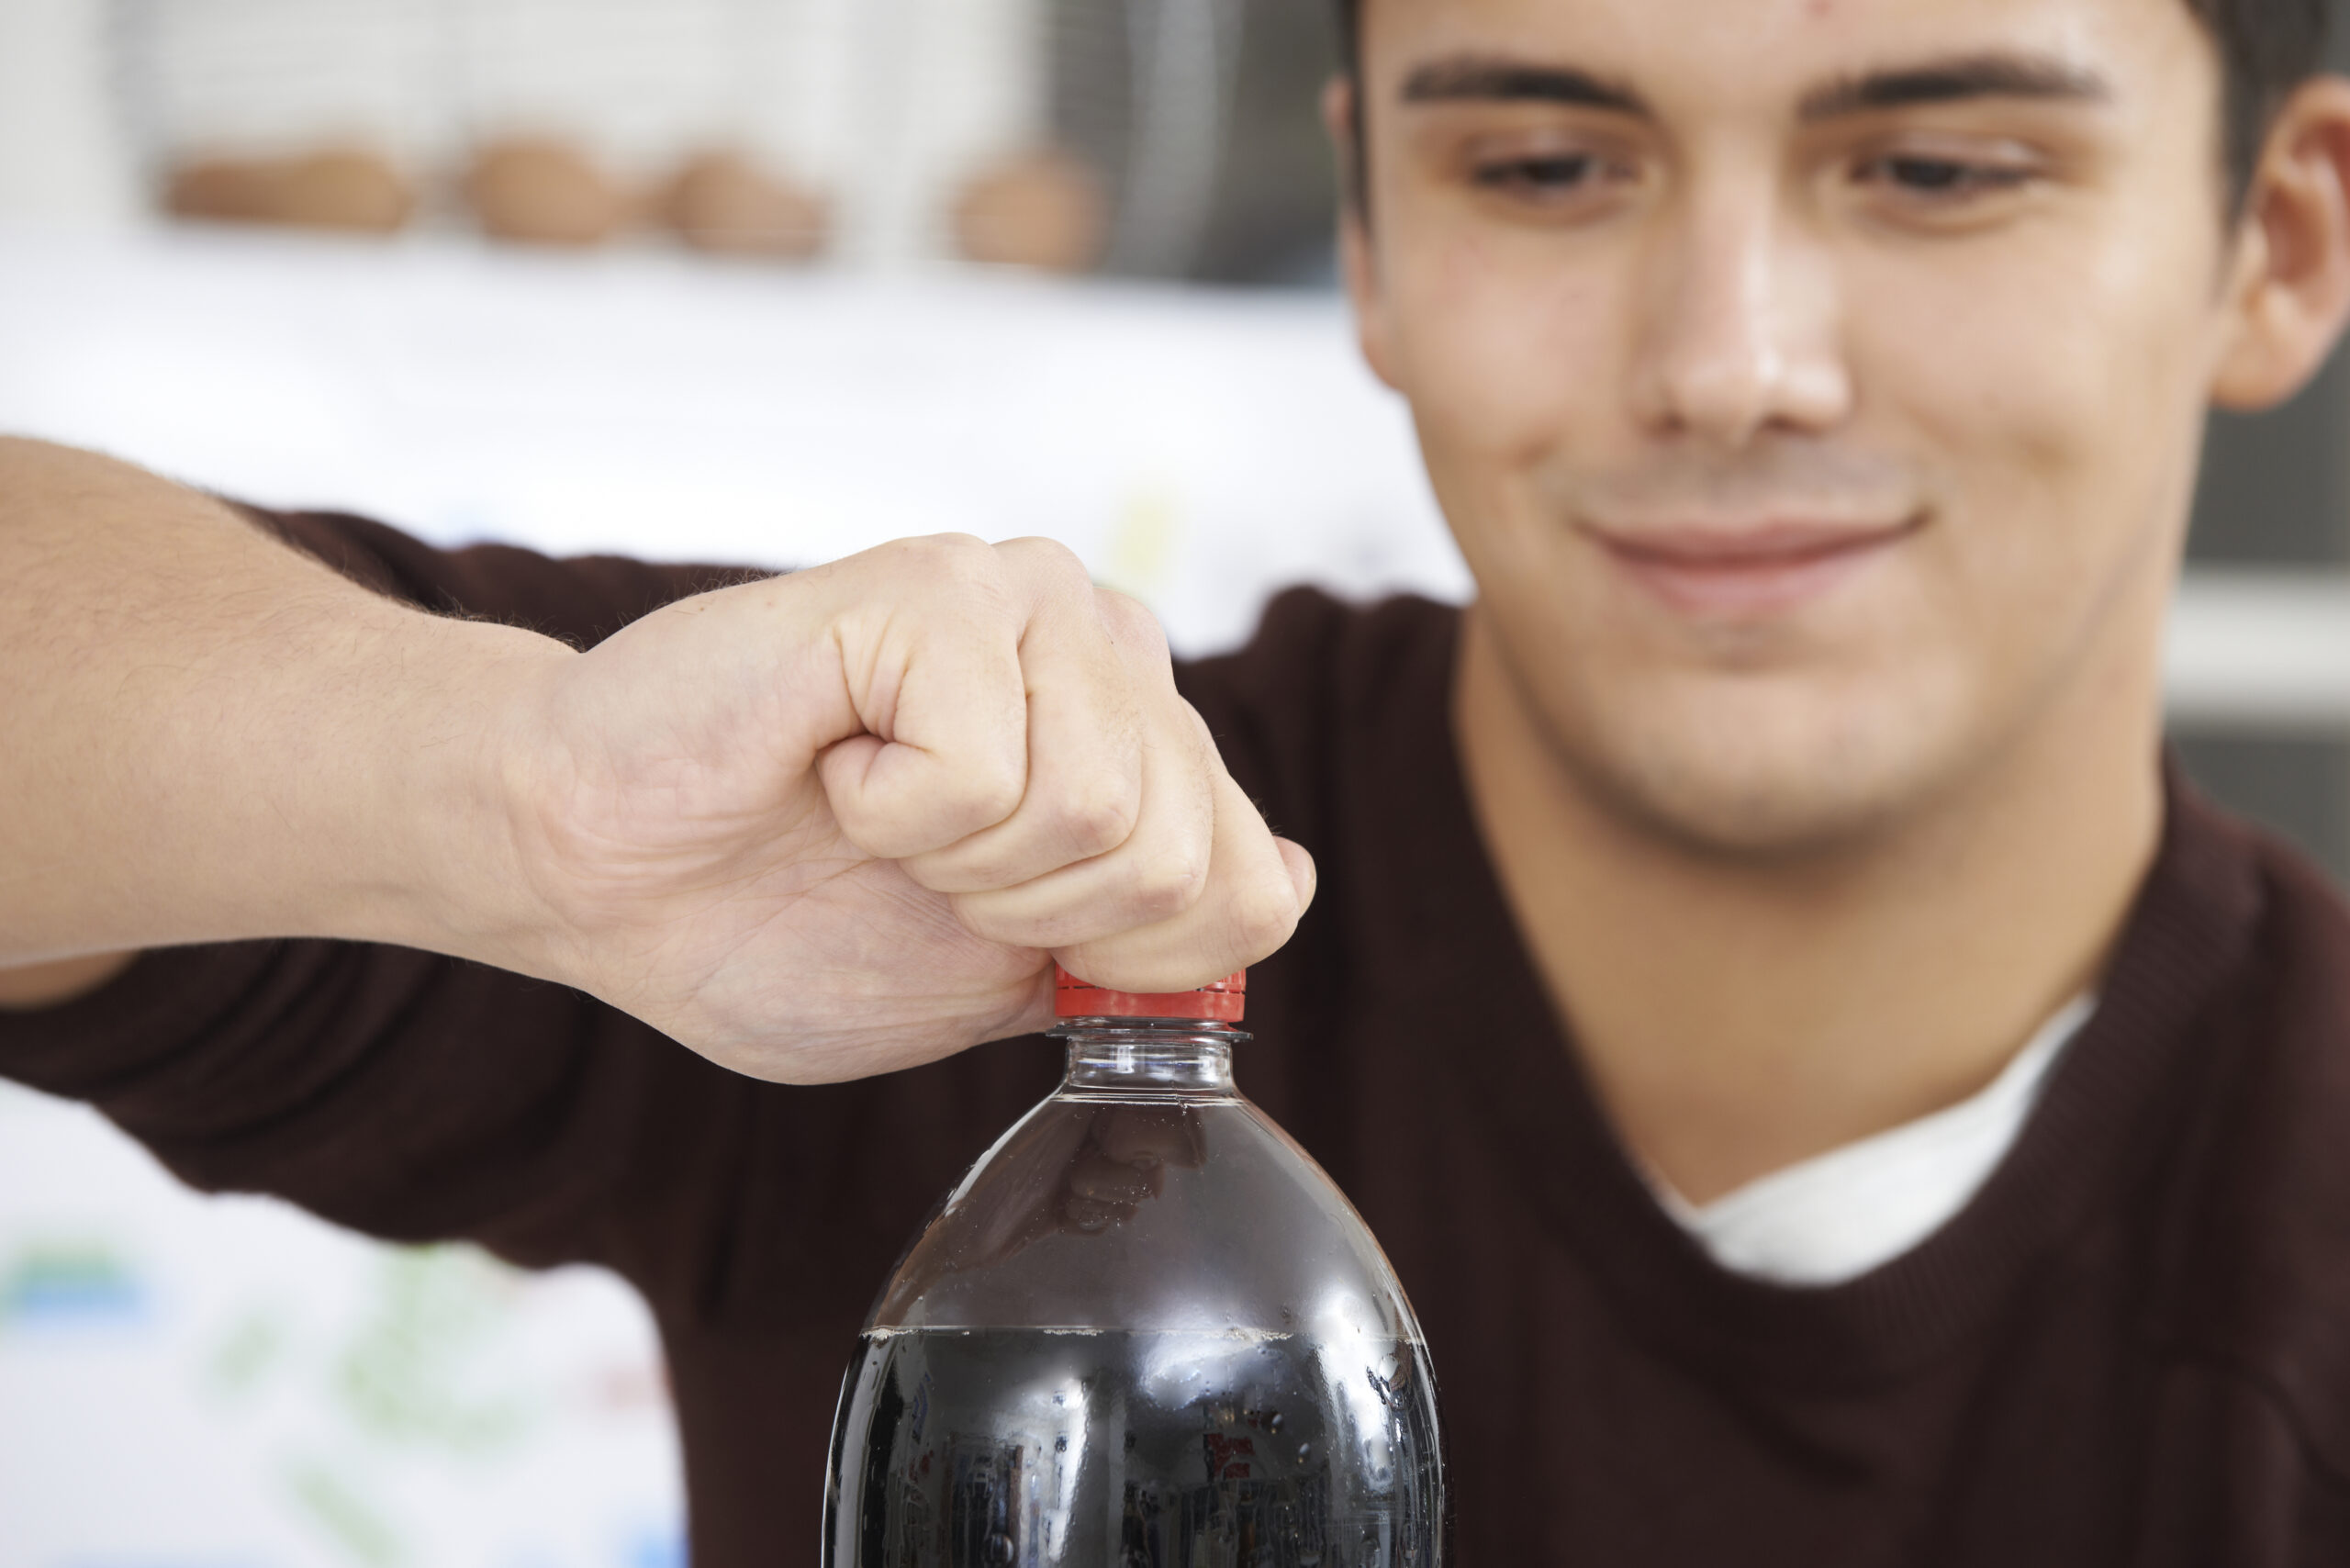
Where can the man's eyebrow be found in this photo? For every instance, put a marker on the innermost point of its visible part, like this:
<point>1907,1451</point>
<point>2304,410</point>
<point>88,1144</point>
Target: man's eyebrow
<point>1954,81</point>
<point>1504,81</point>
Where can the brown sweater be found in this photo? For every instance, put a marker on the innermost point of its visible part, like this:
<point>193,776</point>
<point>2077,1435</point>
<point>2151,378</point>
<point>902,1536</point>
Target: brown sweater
<point>2132,1347</point>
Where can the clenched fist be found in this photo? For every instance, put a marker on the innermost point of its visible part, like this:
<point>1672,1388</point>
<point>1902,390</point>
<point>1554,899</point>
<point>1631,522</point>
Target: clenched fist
<point>840,822</point>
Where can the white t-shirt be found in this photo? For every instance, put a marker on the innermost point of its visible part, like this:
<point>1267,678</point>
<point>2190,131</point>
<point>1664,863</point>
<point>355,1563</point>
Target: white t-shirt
<point>1837,1215</point>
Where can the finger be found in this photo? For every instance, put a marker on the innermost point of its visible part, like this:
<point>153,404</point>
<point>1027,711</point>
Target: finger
<point>1305,877</point>
<point>1162,870</point>
<point>1084,656</point>
<point>1258,888</point>
<point>928,637</point>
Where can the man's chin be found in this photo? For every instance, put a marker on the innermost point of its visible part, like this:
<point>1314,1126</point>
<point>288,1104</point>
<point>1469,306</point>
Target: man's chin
<point>1755,802</point>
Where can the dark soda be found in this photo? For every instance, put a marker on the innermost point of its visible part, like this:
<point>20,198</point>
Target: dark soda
<point>990,1448</point>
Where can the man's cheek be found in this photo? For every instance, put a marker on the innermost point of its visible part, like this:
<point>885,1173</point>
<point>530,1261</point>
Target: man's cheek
<point>2043,363</point>
<point>1992,398</point>
<point>1503,340</point>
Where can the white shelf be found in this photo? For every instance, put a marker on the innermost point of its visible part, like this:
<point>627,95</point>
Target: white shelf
<point>2266,649</point>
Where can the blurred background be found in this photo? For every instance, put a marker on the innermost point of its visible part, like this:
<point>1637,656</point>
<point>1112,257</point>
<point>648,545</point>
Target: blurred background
<point>759,281</point>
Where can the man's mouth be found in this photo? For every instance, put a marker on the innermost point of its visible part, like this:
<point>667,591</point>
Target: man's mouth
<point>1742,571</point>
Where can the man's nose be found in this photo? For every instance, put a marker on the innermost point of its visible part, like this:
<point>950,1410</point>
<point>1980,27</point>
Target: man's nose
<point>1738,324</point>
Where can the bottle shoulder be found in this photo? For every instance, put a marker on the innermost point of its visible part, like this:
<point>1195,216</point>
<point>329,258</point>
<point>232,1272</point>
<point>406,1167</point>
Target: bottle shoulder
<point>1190,1213</point>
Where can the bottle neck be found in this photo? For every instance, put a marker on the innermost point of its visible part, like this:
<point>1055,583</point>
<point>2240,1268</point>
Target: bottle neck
<point>1155,1057</point>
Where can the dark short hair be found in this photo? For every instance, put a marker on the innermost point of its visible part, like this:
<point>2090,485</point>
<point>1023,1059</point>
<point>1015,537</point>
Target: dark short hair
<point>2267,48</point>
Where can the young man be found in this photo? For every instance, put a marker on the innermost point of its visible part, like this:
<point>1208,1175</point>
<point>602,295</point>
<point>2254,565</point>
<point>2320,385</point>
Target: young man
<point>1829,1098</point>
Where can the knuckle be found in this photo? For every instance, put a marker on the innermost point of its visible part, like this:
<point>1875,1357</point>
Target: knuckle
<point>952,805</point>
<point>1131,624</point>
<point>932,552</point>
<point>991,792</point>
<point>959,565</point>
<point>958,546</point>
<point>1097,816</point>
<point>1050,560</point>
<point>1169,882</point>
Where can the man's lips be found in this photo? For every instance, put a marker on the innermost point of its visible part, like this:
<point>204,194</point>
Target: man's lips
<point>1754,569</point>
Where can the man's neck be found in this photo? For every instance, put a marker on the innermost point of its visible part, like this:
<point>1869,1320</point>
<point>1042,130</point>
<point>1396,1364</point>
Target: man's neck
<point>1735,1016</point>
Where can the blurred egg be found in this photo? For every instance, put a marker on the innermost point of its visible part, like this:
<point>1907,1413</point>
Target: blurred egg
<point>722,201</point>
<point>1041,209</point>
<point>344,188</point>
<point>349,188</point>
<point>232,190</point>
<point>542,191</point>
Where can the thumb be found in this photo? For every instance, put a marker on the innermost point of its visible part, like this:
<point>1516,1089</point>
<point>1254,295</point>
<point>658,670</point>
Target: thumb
<point>1302,874</point>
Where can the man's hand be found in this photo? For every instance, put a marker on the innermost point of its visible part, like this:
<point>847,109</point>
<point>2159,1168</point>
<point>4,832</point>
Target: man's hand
<point>835,823</point>
<point>818,827</point>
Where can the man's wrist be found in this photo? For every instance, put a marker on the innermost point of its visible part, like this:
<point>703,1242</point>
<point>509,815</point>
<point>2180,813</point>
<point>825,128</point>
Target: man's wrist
<point>461,767</point>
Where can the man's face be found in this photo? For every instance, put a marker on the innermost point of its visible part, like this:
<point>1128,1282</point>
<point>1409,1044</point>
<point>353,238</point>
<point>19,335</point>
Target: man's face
<point>1814,385</point>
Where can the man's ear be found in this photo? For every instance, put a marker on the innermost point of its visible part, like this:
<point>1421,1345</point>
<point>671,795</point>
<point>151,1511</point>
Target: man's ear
<point>2289,291</point>
<point>1356,262</point>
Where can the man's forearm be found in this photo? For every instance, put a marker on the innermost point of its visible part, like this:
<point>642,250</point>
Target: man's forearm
<point>211,736</point>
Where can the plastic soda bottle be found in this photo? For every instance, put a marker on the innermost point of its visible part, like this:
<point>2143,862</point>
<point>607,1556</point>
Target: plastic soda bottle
<point>1143,1331</point>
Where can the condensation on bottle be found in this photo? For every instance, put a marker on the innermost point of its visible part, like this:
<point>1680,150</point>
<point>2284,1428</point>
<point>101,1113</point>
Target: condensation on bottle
<point>1144,1330</point>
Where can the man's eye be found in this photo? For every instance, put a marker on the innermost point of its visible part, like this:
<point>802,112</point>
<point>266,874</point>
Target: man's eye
<point>1556,176</point>
<point>1942,178</point>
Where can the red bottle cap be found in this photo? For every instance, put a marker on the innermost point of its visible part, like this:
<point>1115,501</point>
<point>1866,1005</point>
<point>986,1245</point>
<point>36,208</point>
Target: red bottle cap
<point>1220,1002</point>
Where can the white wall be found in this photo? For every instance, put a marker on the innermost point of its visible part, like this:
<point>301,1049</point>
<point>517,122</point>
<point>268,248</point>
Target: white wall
<point>62,156</point>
